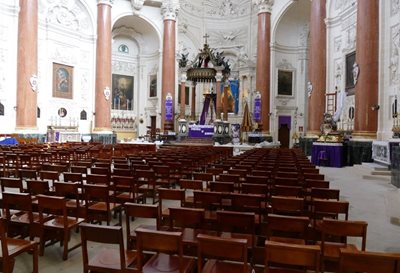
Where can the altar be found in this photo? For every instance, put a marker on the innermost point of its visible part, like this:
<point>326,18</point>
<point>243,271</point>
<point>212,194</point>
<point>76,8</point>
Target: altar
<point>329,154</point>
<point>201,131</point>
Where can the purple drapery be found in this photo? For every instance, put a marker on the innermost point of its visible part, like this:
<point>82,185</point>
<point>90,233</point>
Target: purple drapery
<point>206,108</point>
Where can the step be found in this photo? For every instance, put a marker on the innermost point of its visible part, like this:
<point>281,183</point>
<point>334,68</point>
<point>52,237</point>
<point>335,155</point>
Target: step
<point>374,171</point>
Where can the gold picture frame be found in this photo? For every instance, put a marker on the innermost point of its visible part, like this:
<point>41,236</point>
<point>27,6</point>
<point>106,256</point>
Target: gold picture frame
<point>62,81</point>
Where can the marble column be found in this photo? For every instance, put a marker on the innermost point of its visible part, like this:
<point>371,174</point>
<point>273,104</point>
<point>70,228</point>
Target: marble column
<point>367,56</point>
<point>263,69</point>
<point>317,67</point>
<point>102,120</point>
<point>218,95</point>
<point>169,10</point>
<point>183,96</point>
<point>193,107</point>
<point>27,65</point>
<point>225,106</point>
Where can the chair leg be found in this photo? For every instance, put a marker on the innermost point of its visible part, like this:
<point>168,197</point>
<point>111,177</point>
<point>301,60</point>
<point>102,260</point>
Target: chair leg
<point>35,259</point>
<point>8,265</point>
<point>65,252</point>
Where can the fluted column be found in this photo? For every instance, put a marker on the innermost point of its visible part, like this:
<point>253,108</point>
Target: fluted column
<point>317,67</point>
<point>367,54</point>
<point>218,95</point>
<point>102,120</point>
<point>27,63</point>
<point>263,69</point>
<point>169,10</point>
<point>193,113</point>
<point>183,96</point>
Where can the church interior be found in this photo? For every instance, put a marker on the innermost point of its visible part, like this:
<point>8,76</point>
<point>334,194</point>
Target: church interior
<point>152,135</point>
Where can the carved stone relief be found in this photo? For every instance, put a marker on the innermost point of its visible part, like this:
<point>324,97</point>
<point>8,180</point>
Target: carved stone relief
<point>344,4</point>
<point>123,67</point>
<point>64,55</point>
<point>68,14</point>
<point>305,30</point>
<point>338,73</point>
<point>394,55</point>
<point>395,7</point>
<point>337,44</point>
<point>212,8</point>
<point>228,37</point>
<point>284,64</point>
<point>350,38</point>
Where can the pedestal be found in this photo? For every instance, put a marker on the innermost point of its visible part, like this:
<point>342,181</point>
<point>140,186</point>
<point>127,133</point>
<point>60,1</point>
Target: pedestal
<point>358,152</point>
<point>183,128</point>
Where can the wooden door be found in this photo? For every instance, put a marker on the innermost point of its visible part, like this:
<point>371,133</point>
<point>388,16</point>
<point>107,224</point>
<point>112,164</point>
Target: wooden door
<point>283,135</point>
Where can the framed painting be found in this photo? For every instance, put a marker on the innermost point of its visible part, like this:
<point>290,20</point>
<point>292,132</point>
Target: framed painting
<point>153,86</point>
<point>122,92</point>
<point>62,81</point>
<point>285,82</point>
<point>350,83</point>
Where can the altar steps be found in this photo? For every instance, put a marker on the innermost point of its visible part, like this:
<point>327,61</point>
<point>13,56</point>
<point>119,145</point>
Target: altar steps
<point>374,171</point>
<point>195,141</point>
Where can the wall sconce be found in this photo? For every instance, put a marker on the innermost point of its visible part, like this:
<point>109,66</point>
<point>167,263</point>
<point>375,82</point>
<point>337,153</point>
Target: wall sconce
<point>375,107</point>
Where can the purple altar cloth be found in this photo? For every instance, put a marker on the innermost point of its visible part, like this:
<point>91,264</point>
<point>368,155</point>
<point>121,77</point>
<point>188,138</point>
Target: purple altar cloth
<point>328,154</point>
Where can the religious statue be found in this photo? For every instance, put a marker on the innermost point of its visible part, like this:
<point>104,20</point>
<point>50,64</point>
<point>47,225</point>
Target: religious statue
<point>356,72</point>
<point>183,60</point>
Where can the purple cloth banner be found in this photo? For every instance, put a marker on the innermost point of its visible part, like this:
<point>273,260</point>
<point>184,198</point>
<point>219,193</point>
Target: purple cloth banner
<point>169,115</point>
<point>257,109</point>
<point>285,120</point>
<point>206,131</point>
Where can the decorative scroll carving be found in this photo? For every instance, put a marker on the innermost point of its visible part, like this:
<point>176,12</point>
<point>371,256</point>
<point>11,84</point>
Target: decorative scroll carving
<point>123,67</point>
<point>70,14</point>
<point>284,64</point>
<point>137,4</point>
<point>337,44</point>
<point>223,8</point>
<point>394,55</point>
<point>228,37</point>
<point>63,54</point>
<point>305,30</point>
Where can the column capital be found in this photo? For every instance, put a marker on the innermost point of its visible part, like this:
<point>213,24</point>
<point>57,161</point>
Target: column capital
<point>219,76</point>
<point>264,5</point>
<point>105,2</point>
<point>170,9</point>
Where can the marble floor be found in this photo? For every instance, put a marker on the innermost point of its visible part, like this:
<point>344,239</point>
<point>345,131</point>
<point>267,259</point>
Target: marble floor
<point>373,200</point>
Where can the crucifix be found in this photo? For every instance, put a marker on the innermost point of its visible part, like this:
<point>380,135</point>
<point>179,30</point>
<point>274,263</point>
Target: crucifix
<point>205,37</point>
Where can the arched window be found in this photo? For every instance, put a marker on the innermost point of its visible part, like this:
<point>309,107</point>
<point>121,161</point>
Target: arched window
<point>38,112</point>
<point>123,49</point>
<point>83,115</point>
<point>1,109</point>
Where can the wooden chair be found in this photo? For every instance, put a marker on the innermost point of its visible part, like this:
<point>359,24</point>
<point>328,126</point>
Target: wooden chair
<point>125,189</point>
<point>185,218</point>
<point>334,234</point>
<point>210,201</point>
<point>321,193</point>
<point>294,191</point>
<point>106,260</point>
<point>73,177</point>
<point>287,229</point>
<point>50,176</point>
<point>17,209</point>
<point>310,183</point>
<point>122,172</point>
<point>162,175</point>
<point>27,173</point>
<point>287,205</point>
<point>71,191</point>
<point>329,208</point>
<point>177,195</point>
<point>168,250</point>
<point>11,183</point>
<point>98,205</point>
<point>35,187</point>
<point>219,260</point>
<point>289,258</point>
<point>248,203</point>
<point>98,179</point>
<point>134,210</point>
<point>368,262</point>
<point>226,187</point>
<point>147,183</point>
<point>189,186</point>
<point>55,224</point>
<point>11,248</point>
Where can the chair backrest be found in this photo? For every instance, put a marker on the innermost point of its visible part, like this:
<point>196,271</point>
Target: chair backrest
<point>203,176</point>
<point>186,218</point>
<point>35,187</point>
<point>329,208</point>
<point>72,177</point>
<point>110,235</point>
<point>287,205</point>
<point>311,183</point>
<point>341,229</point>
<point>11,182</point>
<point>141,211</point>
<point>189,184</point>
<point>207,200</point>
<point>233,221</point>
<point>171,194</point>
<point>287,226</point>
<point>158,241</point>
<point>283,254</point>
<point>122,172</point>
<point>286,181</point>
<point>216,248</point>
<point>294,191</point>
<point>222,186</point>
<point>325,193</point>
<point>52,205</point>
<point>98,179</point>
<point>368,262</point>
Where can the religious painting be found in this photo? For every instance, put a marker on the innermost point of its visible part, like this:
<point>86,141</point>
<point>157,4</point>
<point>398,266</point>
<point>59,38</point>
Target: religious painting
<point>122,92</point>
<point>231,88</point>
<point>153,86</point>
<point>285,83</point>
<point>350,82</point>
<point>62,81</point>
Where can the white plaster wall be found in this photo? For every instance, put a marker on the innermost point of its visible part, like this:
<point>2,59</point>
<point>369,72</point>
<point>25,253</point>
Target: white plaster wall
<point>8,64</point>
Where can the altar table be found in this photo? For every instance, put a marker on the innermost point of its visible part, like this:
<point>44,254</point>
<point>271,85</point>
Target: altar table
<point>327,154</point>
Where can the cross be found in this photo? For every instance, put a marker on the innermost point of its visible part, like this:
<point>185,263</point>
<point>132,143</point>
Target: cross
<point>206,36</point>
